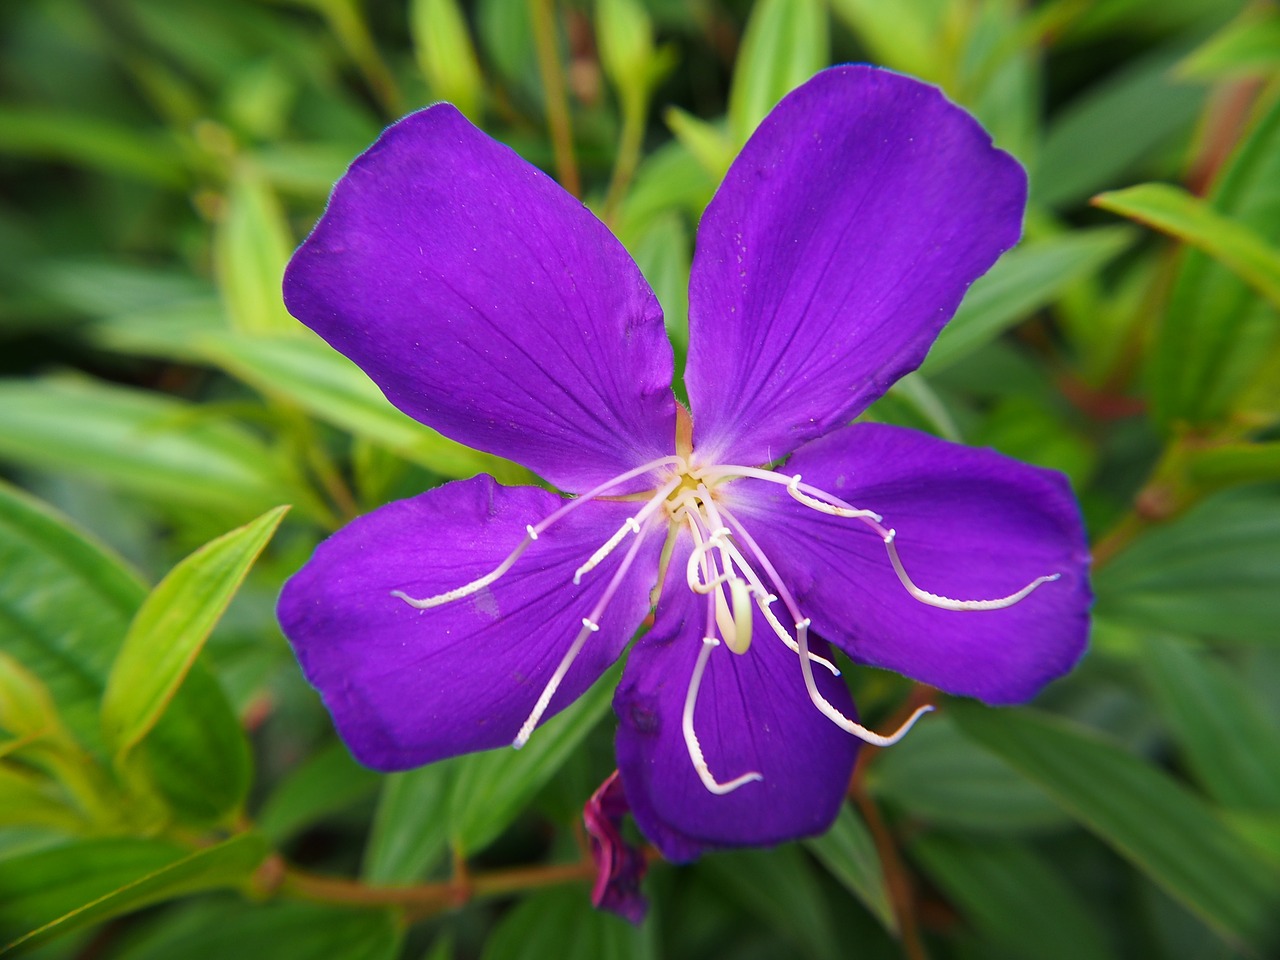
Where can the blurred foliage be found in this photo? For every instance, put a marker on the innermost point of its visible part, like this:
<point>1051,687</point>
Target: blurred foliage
<point>161,158</point>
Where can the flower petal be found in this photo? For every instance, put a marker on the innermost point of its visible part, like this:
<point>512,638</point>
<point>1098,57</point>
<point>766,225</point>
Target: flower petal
<point>408,686</point>
<point>753,714</point>
<point>971,524</point>
<point>842,239</point>
<point>489,304</point>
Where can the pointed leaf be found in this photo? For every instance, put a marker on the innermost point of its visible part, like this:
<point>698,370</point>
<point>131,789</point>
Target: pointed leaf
<point>1176,212</point>
<point>785,43</point>
<point>169,630</point>
<point>1162,829</point>
<point>849,852</point>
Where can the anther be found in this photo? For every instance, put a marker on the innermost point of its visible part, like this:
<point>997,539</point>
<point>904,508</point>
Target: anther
<point>947,603</point>
<point>533,534</point>
<point>591,625</point>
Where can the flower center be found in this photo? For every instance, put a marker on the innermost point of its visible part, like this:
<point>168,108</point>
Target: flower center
<point>726,566</point>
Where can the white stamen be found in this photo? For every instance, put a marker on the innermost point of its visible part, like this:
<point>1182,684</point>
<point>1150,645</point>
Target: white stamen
<point>838,509</point>
<point>691,738</point>
<point>838,718</point>
<point>531,534</point>
<point>629,525</point>
<point>590,625</point>
<point>946,603</point>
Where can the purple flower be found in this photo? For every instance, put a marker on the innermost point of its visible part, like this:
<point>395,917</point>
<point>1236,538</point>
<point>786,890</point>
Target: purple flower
<point>490,305</point>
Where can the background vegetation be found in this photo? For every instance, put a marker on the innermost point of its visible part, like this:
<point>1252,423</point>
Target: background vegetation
<point>169,785</point>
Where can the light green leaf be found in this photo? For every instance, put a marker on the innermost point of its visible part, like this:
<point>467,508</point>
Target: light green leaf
<point>906,35</point>
<point>56,890</point>
<point>410,828</point>
<point>1174,211</point>
<point>1211,572</point>
<point>327,782</point>
<point>564,925</point>
<point>310,373</point>
<point>1013,897</point>
<point>65,603</point>
<point>707,143</point>
<point>446,56</point>
<point>252,244</point>
<point>849,852</point>
<point>1024,280</point>
<point>171,627</point>
<point>625,35</point>
<point>1166,832</point>
<point>1215,329</point>
<point>1249,46</point>
<point>90,142</point>
<point>143,442</point>
<point>784,44</point>
<point>1226,737</point>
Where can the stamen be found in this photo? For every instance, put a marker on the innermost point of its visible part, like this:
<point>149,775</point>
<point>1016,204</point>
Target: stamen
<point>590,625</point>
<point>531,534</point>
<point>740,594</point>
<point>691,738</point>
<point>696,569</point>
<point>834,510</point>
<point>816,498</point>
<point>838,718</point>
<point>946,603</point>
<point>762,595</point>
<point>629,525</point>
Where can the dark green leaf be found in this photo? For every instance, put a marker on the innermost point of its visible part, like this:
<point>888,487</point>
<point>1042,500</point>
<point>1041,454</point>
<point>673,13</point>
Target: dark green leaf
<point>1166,832</point>
<point>1013,897</point>
<point>849,852</point>
<point>564,925</point>
<point>1212,572</point>
<point>1229,742</point>
<point>327,782</point>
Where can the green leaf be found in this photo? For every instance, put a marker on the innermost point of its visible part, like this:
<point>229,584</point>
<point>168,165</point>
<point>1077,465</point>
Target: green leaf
<point>65,603</point>
<point>171,627</point>
<point>706,143</point>
<point>271,931</point>
<point>325,783</point>
<point>56,890</point>
<point>466,802</point>
<point>1176,212</point>
<point>1100,138</point>
<point>785,43</point>
<point>252,244</point>
<point>91,142</point>
<point>1228,741</point>
<point>1166,832</point>
<point>849,852</point>
<point>1215,328</point>
<point>1211,572</point>
<point>625,35</point>
<point>940,777</point>
<point>905,35</point>
<point>143,442</point>
<point>1230,464</point>
<point>564,925</point>
<point>1024,280</point>
<point>1249,46</point>
<point>310,373</point>
<point>446,56</point>
<point>1014,897</point>
<point>780,888</point>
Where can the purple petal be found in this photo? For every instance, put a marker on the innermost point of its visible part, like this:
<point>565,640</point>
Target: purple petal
<point>971,525</point>
<point>753,714</point>
<point>842,239</point>
<point>408,686</point>
<point>620,865</point>
<point>489,304</point>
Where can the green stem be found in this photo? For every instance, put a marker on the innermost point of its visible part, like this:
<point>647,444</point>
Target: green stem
<point>635,109</point>
<point>542,13</point>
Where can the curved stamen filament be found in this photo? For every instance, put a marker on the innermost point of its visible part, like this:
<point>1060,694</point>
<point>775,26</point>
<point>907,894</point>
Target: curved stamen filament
<point>630,525</point>
<point>590,625</point>
<point>946,603</point>
<point>691,738</point>
<point>810,496</point>
<point>531,534</point>
<point>838,718</point>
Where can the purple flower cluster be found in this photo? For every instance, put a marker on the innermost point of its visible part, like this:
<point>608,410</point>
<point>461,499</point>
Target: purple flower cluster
<point>760,528</point>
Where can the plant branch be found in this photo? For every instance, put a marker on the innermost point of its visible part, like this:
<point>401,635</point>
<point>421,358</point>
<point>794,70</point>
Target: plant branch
<point>542,12</point>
